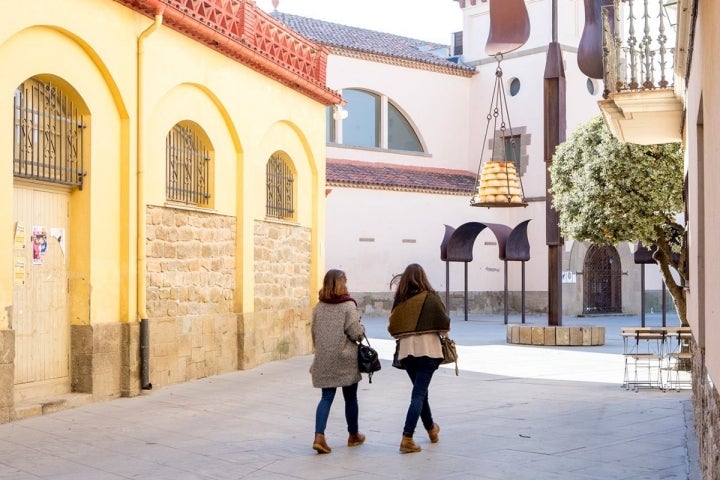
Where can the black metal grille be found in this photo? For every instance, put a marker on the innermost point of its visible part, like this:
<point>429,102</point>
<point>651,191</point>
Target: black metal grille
<point>188,167</point>
<point>279,188</point>
<point>602,281</point>
<point>47,135</point>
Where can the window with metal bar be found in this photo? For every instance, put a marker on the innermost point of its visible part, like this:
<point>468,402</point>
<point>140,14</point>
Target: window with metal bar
<point>280,186</point>
<point>188,166</point>
<point>513,148</point>
<point>47,135</point>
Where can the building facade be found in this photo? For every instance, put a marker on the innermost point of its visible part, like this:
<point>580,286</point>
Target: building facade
<point>163,161</point>
<point>389,201</point>
<point>676,108</point>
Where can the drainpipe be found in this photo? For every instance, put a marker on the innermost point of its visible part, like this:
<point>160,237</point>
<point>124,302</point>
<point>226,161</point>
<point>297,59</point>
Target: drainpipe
<point>141,230</point>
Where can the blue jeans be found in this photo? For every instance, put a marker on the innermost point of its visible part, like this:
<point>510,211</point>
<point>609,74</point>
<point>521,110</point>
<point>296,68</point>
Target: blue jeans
<point>351,408</point>
<point>420,370</point>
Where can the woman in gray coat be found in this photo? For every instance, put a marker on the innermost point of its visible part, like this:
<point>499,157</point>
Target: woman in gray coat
<point>336,328</point>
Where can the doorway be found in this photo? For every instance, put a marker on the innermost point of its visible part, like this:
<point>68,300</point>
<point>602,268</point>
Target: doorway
<point>40,294</point>
<point>602,281</point>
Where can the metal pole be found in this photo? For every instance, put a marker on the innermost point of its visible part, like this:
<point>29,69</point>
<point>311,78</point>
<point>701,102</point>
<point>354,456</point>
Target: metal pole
<point>447,285</point>
<point>145,355</point>
<point>664,316</point>
<point>466,291</point>
<point>554,104</point>
<point>506,292</point>
<point>523,291</point>
<point>642,295</point>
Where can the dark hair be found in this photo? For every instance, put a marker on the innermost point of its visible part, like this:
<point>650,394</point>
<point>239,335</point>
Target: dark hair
<point>334,285</point>
<point>412,281</point>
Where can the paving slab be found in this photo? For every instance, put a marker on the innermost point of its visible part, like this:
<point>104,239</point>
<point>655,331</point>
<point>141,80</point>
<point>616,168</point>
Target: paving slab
<point>514,412</point>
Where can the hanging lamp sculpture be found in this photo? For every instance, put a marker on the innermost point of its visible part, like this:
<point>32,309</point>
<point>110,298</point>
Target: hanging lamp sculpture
<point>498,181</point>
<point>509,26</point>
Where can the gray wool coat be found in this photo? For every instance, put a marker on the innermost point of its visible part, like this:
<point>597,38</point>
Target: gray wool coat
<point>335,329</point>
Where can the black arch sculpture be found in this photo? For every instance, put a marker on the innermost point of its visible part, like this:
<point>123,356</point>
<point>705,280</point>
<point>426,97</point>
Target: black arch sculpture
<point>513,246</point>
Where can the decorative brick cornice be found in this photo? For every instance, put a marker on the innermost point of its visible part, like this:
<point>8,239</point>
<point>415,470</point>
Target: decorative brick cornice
<point>400,62</point>
<point>243,32</point>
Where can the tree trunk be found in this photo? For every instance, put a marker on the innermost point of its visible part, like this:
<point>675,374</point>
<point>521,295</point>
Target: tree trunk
<point>667,259</point>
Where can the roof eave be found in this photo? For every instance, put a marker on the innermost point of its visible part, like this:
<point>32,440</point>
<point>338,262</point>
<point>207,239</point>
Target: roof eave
<point>304,72</point>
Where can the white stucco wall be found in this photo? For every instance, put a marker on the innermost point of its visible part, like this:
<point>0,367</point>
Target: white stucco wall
<point>375,234</point>
<point>449,112</point>
<point>436,105</point>
<point>476,24</point>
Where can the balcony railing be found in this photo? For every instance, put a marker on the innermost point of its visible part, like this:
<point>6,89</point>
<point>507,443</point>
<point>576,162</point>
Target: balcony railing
<point>638,46</point>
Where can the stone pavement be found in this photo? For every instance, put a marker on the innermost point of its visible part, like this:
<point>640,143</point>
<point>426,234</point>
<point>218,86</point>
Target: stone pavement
<point>514,412</point>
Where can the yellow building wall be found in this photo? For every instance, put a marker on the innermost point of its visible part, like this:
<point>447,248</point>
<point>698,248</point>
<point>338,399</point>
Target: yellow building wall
<point>132,93</point>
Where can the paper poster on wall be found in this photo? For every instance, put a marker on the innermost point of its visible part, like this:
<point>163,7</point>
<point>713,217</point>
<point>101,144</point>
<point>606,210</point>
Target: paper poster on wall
<point>569,277</point>
<point>39,241</point>
<point>19,270</point>
<point>19,235</point>
<point>59,235</point>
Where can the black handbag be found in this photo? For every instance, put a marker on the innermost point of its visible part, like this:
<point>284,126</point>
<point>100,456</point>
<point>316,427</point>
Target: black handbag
<point>368,360</point>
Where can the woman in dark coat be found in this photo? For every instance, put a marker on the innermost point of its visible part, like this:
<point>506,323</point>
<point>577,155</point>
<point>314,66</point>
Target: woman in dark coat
<point>336,328</point>
<point>417,319</point>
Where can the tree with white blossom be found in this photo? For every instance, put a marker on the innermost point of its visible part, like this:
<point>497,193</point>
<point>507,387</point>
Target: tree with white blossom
<point>607,192</point>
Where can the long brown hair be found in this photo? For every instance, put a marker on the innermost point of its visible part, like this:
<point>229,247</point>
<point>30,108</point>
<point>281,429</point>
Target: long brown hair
<point>412,281</point>
<point>334,285</point>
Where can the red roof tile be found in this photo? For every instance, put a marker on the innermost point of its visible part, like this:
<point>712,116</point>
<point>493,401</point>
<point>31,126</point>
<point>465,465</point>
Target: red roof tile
<point>351,173</point>
<point>369,41</point>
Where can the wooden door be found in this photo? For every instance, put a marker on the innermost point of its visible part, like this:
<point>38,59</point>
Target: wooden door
<point>40,296</point>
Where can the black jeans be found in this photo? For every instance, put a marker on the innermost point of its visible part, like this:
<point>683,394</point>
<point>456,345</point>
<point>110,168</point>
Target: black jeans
<point>420,370</point>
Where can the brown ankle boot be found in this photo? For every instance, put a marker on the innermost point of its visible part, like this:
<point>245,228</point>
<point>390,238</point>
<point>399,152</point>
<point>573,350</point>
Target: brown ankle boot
<point>434,432</point>
<point>319,444</point>
<point>408,445</point>
<point>356,439</point>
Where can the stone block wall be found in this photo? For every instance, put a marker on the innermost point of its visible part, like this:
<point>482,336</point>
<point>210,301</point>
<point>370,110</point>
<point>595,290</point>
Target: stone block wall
<point>706,401</point>
<point>526,334</point>
<point>493,303</point>
<point>81,352</point>
<point>380,303</point>
<point>130,358</point>
<point>96,354</point>
<point>280,326</point>
<point>7,375</point>
<point>190,294</point>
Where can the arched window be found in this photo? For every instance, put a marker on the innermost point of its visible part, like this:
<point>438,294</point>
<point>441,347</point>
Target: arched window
<point>373,121</point>
<point>280,202</point>
<point>189,165</point>
<point>48,135</point>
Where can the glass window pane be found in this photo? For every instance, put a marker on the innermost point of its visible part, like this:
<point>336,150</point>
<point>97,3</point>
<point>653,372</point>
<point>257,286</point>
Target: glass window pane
<point>360,128</point>
<point>514,87</point>
<point>401,135</point>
